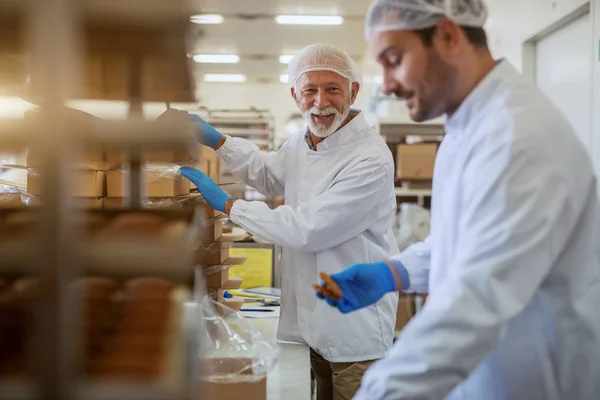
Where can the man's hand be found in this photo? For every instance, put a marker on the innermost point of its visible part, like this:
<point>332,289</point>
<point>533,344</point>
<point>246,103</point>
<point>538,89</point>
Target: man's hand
<point>358,286</point>
<point>207,134</point>
<point>212,193</point>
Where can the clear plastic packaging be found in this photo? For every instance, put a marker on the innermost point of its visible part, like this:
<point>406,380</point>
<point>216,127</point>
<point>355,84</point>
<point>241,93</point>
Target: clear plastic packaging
<point>156,171</point>
<point>412,225</point>
<point>14,195</point>
<point>216,269</point>
<point>211,253</point>
<point>164,202</point>
<point>232,350</point>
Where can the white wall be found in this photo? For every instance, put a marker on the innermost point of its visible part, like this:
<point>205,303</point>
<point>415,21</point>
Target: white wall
<point>512,22</point>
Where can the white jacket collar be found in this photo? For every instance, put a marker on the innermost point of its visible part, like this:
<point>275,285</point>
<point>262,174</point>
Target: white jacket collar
<point>475,103</point>
<point>343,135</point>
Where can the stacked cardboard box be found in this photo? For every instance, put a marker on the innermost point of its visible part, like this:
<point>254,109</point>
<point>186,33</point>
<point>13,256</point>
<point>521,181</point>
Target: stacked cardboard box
<point>407,308</point>
<point>210,164</point>
<point>161,173</point>
<point>213,256</point>
<point>415,161</point>
<point>87,183</point>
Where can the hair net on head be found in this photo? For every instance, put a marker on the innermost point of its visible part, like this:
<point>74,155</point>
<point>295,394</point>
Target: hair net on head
<point>322,57</point>
<point>388,15</point>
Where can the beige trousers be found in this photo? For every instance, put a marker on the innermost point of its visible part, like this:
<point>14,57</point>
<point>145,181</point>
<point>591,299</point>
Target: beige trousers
<point>337,381</point>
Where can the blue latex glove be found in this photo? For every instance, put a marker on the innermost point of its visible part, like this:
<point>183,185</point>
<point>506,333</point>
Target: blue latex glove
<point>361,286</point>
<point>207,135</point>
<point>212,193</point>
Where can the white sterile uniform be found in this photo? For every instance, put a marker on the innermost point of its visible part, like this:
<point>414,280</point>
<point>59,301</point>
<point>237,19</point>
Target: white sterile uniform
<point>339,205</point>
<point>514,263</point>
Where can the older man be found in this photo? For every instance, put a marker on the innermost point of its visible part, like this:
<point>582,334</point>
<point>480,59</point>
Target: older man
<point>338,180</point>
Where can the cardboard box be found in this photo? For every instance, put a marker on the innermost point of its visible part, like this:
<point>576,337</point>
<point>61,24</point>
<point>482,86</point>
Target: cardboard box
<point>415,161</point>
<point>84,183</point>
<point>234,304</point>
<point>233,283</point>
<point>88,202</point>
<point>118,181</point>
<point>234,391</point>
<point>217,295</point>
<point>217,280</point>
<point>116,159</point>
<point>209,229</point>
<point>256,389</point>
<point>405,311</point>
<point>210,164</point>
<point>88,159</point>
<point>212,253</point>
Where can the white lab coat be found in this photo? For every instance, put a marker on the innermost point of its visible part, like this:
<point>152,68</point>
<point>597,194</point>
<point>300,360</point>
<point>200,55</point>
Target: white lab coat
<point>514,260</point>
<point>339,206</point>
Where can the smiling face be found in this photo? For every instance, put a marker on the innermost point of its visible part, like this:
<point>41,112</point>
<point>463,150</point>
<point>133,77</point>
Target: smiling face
<point>423,76</point>
<point>324,99</point>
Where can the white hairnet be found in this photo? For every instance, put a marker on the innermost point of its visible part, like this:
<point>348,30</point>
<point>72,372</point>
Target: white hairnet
<point>322,57</point>
<point>388,15</point>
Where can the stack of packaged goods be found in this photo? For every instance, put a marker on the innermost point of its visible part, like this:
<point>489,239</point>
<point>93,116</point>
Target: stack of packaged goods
<point>213,255</point>
<point>87,184</point>
<point>163,183</point>
<point>166,188</point>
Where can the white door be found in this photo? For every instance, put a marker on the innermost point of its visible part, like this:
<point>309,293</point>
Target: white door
<point>564,62</point>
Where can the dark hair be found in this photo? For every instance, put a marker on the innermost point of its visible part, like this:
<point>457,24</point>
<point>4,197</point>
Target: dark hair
<point>476,36</point>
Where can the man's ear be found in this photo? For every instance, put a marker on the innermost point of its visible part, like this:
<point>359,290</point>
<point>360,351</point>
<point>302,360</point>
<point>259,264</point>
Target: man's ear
<point>355,89</point>
<point>293,92</point>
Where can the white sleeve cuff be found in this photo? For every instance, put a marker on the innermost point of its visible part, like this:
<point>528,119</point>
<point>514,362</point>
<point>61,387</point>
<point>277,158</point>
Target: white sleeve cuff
<point>230,147</point>
<point>236,214</point>
<point>418,274</point>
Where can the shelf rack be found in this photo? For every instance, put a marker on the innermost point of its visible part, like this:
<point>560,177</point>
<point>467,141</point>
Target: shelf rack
<point>54,40</point>
<point>397,133</point>
<point>252,124</point>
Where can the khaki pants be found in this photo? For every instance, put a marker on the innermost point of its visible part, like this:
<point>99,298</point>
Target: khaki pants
<point>337,381</point>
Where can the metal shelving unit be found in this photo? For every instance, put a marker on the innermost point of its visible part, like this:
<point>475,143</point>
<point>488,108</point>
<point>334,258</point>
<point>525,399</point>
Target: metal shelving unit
<point>398,133</point>
<point>252,124</point>
<point>57,36</point>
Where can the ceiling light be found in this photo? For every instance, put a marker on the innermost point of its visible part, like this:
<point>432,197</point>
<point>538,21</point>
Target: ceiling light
<point>225,78</point>
<point>283,78</point>
<point>207,19</point>
<point>217,58</point>
<point>286,58</point>
<point>309,19</point>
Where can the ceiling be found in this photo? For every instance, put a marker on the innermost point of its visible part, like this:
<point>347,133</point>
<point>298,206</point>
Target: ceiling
<point>249,30</point>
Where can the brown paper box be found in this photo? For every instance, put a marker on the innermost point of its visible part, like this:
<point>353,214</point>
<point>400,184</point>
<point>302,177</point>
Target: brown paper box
<point>233,283</point>
<point>84,183</point>
<point>235,391</point>
<point>210,164</point>
<point>88,159</point>
<point>223,390</point>
<point>234,304</point>
<point>154,187</point>
<point>217,295</point>
<point>89,202</point>
<point>211,254</point>
<point>209,229</point>
<point>415,161</point>
<point>406,309</point>
<point>116,159</point>
<point>217,280</point>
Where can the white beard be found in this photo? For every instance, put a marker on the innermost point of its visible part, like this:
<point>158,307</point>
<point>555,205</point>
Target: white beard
<point>320,130</point>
